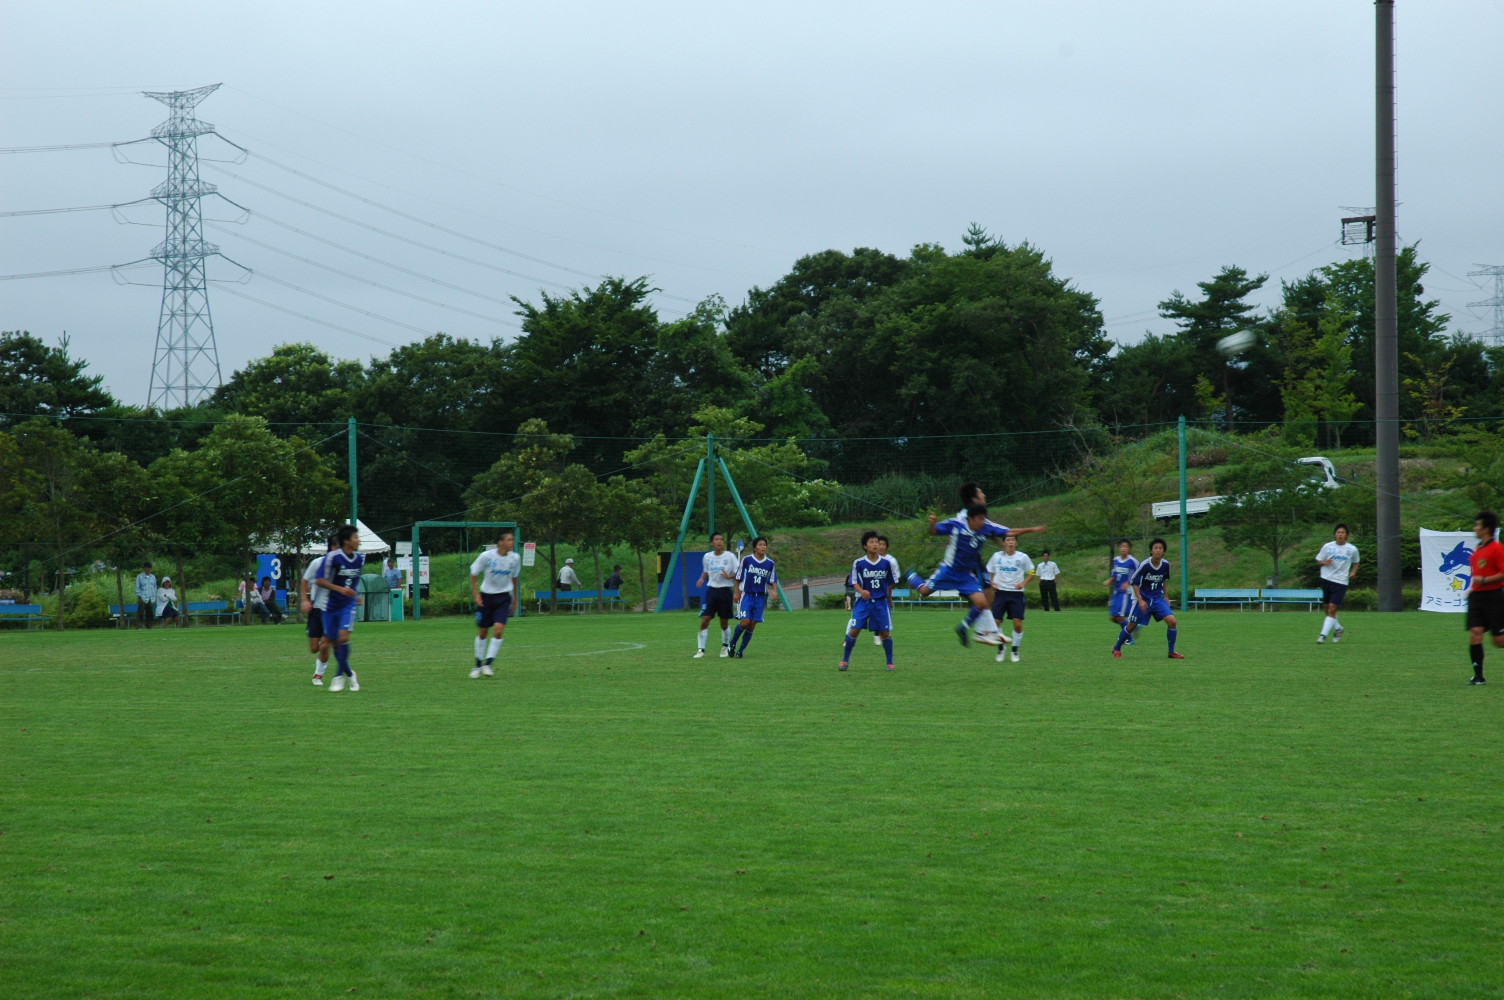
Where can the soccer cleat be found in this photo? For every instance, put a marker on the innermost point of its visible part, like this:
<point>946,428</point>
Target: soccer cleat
<point>475,674</point>
<point>338,683</point>
<point>1000,655</point>
<point>991,639</point>
<point>843,665</point>
<point>739,654</point>
<point>890,666</point>
<point>1477,680</point>
<point>1337,636</point>
<point>1132,642</point>
<point>1320,639</point>
<point>318,680</point>
<point>700,654</point>
<point>964,634</point>
<point>354,682</point>
<point>1117,654</point>
<point>1015,656</point>
<point>486,671</point>
<point>725,651</point>
<point>1177,656</point>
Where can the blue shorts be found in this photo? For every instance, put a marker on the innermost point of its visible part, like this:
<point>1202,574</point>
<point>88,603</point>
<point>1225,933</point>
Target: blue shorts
<point>1159,609</point>
<point>315,623</point>
<point>875,615</point>
<point>1333,593</point>
<point>1121,604</point>
<point>953,578</point>
<point>1008,604</point>
<point>753,606</point>
<point>495,609</point>
<point>337,620</point>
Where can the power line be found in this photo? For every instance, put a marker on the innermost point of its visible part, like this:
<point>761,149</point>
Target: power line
<point>58,211</point>
<point>75,270</point>
<point>343,305</point>
<point>55,149</point>
<point>311,319</point>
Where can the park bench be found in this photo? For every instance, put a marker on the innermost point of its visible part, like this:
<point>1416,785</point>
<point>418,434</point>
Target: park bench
<point>121,614</point>
<point>578,598</point>
<point>1276,595</point>
<point>217,612</point>
<point>946,598</point>
<point>1214,595</point>
<point>29,613</point>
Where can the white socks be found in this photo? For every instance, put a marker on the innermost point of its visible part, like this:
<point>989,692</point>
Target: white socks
<point>986,623</point>
<point>1328,625</point>
<point>1018,639</point>
<point>726,636</point>
<point>318,666</point>
<point>493,648</point>
<point>703,633</point>
<point>480,648</point>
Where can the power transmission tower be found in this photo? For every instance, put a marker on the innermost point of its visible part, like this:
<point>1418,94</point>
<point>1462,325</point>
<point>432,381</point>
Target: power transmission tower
<point>1496,329</point>
<point>185,364</point>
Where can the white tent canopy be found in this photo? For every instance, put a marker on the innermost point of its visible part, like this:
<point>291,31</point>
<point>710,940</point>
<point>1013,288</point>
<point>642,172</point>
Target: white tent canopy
<point>371,544</point>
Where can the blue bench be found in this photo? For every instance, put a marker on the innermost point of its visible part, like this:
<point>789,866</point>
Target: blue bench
<point>218,612</point>
<point>1213,595</point>
<point>29,613</point>
<point>945,598</point>
<point>121,614</point>
<point>1276,595</point>
<point>577,598</point>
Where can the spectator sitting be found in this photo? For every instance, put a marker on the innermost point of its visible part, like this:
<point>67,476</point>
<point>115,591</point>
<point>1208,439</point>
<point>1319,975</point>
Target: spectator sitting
<point>268,594</point>
<point>167,603</point>
<point>613,582</point>
<point>250,598</point>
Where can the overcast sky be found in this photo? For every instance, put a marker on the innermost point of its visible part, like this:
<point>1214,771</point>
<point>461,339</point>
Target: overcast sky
<point>1140,145</point>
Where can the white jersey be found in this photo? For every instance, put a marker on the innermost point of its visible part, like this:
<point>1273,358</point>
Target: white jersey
<point>498,572</point>
<point>1009,572</point>
<point>318,595</point>
<point>1048,570</point>
<point>1344,557</point>
<point>897,573</point>
<point>720,570</point>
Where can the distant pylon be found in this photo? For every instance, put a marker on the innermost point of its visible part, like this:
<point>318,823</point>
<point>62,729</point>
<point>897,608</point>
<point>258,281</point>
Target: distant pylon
<point>185,365</point>
<point>1495,271</point>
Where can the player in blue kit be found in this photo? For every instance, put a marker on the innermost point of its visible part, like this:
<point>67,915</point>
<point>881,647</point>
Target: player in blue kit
<point>1148,582</point>
<point>339,574</point>
<point>753,578</point>
<point>872,577</point>
<point>1120,591</point>
<point>494,586</point>
<point>959,567</point>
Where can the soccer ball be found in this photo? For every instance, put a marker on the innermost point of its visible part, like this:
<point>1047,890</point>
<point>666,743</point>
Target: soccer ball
<point>1237,343</point>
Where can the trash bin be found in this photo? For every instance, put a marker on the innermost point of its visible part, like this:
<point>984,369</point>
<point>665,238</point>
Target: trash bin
<point>397,605</point>
<point>376,605</point>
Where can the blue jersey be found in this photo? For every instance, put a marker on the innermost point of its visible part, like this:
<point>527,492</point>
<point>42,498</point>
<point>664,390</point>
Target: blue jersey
<point>964,553</point>
<point>1151,579</point>
<point>878,577</point>
<point>343,571</point>
<point>755,575</point>
<point>1122,571</point>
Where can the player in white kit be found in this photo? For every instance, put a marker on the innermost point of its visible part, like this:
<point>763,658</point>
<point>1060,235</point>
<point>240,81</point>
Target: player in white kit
<point>1337,559</point>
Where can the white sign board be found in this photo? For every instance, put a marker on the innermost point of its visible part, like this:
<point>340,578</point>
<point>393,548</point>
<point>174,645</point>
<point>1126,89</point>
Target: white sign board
<point>1444,571</point>
<point>404,548</point>
<point>405,564</point>
<point>529,553</point>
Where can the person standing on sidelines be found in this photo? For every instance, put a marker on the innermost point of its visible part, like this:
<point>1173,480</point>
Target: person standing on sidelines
<point>146,595</point>
<point>1337,559</point>
<point>339,574</point>
<point>1149,582</point>
<point>1049,592</point>
<point>312,601</point>
<point>1485,595</point>
<point>494,586</point>
<point>718,577</point>
<point>1009,571</point>
<point>872,577</point>
<point>753,578</point>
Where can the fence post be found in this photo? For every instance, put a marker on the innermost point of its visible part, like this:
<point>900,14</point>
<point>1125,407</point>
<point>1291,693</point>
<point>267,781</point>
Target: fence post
<point>1185,533</point>
<point>354,484</point>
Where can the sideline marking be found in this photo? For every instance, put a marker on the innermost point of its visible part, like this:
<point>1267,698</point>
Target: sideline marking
<point>596,652</point>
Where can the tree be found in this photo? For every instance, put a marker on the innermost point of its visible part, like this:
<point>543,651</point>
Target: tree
<point>1317,383</point>
<point>37,380</point>
<point>1428,390</point>
<point>642,521</point>
<point>1223,309</point>
<point>297,386</point>
<point>1270,504</point>
<point>1113,491</point>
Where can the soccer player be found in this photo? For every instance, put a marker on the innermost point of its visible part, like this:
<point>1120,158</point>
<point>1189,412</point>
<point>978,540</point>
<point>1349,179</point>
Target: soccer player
<point>1120,603</point>
<point>313,608</point>
<point>1337,559</point>
<point>1010,572</point>
<point>719,580</point>
<point>882,550</point>
<point>493,585</point>
<point>1148,582</point>
<point>958,570</point>
<point>1485,597</point>
<point>339,573</point>
<point>872,576</point>
<point>753,578</point>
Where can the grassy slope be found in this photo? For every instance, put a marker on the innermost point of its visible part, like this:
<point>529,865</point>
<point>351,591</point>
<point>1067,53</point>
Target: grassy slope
<point>184,816</point>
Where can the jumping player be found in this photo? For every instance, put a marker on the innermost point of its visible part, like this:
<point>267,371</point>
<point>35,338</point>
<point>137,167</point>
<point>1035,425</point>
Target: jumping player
<point>1010,571</point>
<point>1120,603</point>
<point>313,609</point>
<point>719,581</point>
<point>1485,596</point>
<point>493,584</point>
<point>872,576</point>
<point>958,570</point>
<point>339,574</point>
<point>1337,559</point>
<point>1148,582</point>
<point>753,578</point>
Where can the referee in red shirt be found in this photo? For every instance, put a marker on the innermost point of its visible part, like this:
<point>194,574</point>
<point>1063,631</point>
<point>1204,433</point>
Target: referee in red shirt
<point>1485,598</point>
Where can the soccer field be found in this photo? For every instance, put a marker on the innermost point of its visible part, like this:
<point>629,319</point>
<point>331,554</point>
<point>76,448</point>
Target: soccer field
<point>184,815</point>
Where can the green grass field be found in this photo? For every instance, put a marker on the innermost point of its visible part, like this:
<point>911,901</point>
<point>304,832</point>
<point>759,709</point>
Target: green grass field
<point>184,815</point>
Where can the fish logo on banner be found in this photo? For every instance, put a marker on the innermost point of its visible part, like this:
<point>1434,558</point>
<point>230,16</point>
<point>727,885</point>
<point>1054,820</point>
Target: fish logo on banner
<point>1444,569</point>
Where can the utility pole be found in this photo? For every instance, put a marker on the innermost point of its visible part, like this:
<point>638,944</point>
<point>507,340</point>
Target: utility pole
<point>1386,316</point>
<point>185,364</point>
<point>1496,328</point>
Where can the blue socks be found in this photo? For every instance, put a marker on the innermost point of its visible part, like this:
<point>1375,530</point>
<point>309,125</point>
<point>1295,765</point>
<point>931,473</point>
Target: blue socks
<point>972,616</point>
<point>342,657</point>
<point>915,580</point>
<point>746,637</point>
<point>850,645</point>
<point>887,649</point>
<point>1123,637</point>
<point>1172,634</point>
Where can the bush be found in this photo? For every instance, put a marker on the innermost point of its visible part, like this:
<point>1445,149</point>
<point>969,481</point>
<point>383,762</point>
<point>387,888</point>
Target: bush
<point>830,602</point>
<point>87,607</point>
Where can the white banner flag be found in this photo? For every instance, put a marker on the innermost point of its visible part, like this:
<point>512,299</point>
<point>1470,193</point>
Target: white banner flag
<point>1444,571</point>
